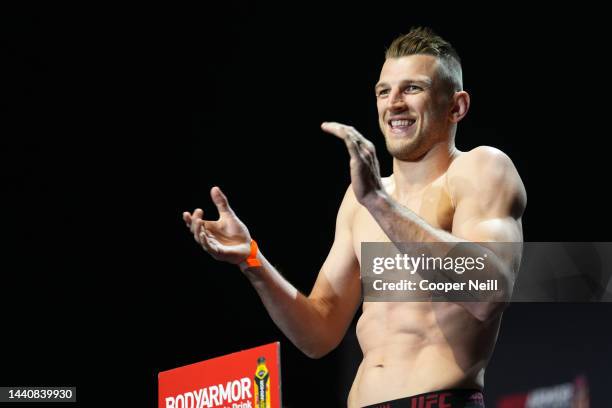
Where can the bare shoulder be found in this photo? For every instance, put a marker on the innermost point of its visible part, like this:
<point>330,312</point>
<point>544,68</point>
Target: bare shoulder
<point>488,172</point>
<point>480,158</point>
<point>348,208</point>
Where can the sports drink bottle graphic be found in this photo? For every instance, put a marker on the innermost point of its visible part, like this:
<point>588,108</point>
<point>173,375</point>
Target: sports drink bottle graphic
<point>262,384</point>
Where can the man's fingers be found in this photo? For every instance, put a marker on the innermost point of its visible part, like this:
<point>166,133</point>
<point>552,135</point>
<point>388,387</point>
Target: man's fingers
<point>353,148</point>
<point>220,200</point>
<point>209,244</point>
<point>334,128</point>
<point>195,216</point>
<point>187,218</point>
<point>358,146</point>
<point>204,240</point>
<point>362,146</point>
<point>342,132</point>
<point>197,228</point>
<point>203,237</point>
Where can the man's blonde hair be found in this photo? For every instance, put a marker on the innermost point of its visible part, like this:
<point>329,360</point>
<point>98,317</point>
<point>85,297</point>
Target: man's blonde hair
<point>422,40</point>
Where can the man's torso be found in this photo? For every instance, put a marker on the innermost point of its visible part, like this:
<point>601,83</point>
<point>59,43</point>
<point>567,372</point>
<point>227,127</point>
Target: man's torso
<point>416,347</point>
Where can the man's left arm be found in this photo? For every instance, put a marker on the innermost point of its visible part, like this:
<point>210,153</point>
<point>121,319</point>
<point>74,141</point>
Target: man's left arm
<point>489,200</point>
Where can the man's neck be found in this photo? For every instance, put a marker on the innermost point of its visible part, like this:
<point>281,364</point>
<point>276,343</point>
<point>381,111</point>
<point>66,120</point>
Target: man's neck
<point>410,177</point>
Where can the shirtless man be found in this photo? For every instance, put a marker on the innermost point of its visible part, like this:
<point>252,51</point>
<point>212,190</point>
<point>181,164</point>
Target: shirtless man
<point>435,194</point>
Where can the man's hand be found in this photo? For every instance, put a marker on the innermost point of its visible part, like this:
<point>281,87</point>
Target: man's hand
<point>365,170</point>
<point>226,239</point>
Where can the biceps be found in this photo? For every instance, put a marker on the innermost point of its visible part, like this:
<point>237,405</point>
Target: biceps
<point>499,233</point>
<point>497,229</point>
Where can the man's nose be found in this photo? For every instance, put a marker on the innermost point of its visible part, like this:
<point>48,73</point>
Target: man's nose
<point>396,102</point>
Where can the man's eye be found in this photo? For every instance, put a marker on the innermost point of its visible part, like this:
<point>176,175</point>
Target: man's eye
<point>412,88</point>
<point>383,92</point>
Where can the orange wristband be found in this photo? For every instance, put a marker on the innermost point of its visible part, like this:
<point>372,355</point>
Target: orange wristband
<point>252,260</point>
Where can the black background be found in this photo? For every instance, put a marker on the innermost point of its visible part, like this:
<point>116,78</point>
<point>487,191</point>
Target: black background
<point>117,120</point>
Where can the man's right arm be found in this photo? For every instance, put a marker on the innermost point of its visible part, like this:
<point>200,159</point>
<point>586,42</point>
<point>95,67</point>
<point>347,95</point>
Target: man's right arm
<point>315,323</point>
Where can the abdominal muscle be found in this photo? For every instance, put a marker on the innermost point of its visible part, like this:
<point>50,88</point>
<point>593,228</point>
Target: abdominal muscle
<point>417,347</point>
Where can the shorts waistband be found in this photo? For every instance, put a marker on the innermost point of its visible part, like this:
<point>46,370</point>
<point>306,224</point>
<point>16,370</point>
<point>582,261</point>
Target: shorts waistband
<point>453,398</point>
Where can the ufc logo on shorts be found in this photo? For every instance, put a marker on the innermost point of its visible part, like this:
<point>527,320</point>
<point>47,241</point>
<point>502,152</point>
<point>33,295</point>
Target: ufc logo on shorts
<point>431,401</point>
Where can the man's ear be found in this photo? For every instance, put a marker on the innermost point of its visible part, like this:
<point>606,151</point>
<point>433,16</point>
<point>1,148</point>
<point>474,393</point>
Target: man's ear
<point>460,106</point>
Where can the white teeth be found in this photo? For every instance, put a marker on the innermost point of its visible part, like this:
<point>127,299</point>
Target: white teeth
<point>396,123</point>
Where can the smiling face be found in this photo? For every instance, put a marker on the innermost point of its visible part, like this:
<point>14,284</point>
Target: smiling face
<point>414,103</point>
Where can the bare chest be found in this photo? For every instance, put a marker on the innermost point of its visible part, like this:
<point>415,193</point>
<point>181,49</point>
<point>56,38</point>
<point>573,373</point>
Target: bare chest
<point>433,204</point>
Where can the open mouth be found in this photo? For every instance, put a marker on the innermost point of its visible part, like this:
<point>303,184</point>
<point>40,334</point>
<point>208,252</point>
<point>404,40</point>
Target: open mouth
<point>400,125</point>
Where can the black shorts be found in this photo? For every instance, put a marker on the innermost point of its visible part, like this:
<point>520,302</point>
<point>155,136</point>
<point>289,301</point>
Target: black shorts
<point>458,398</point>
